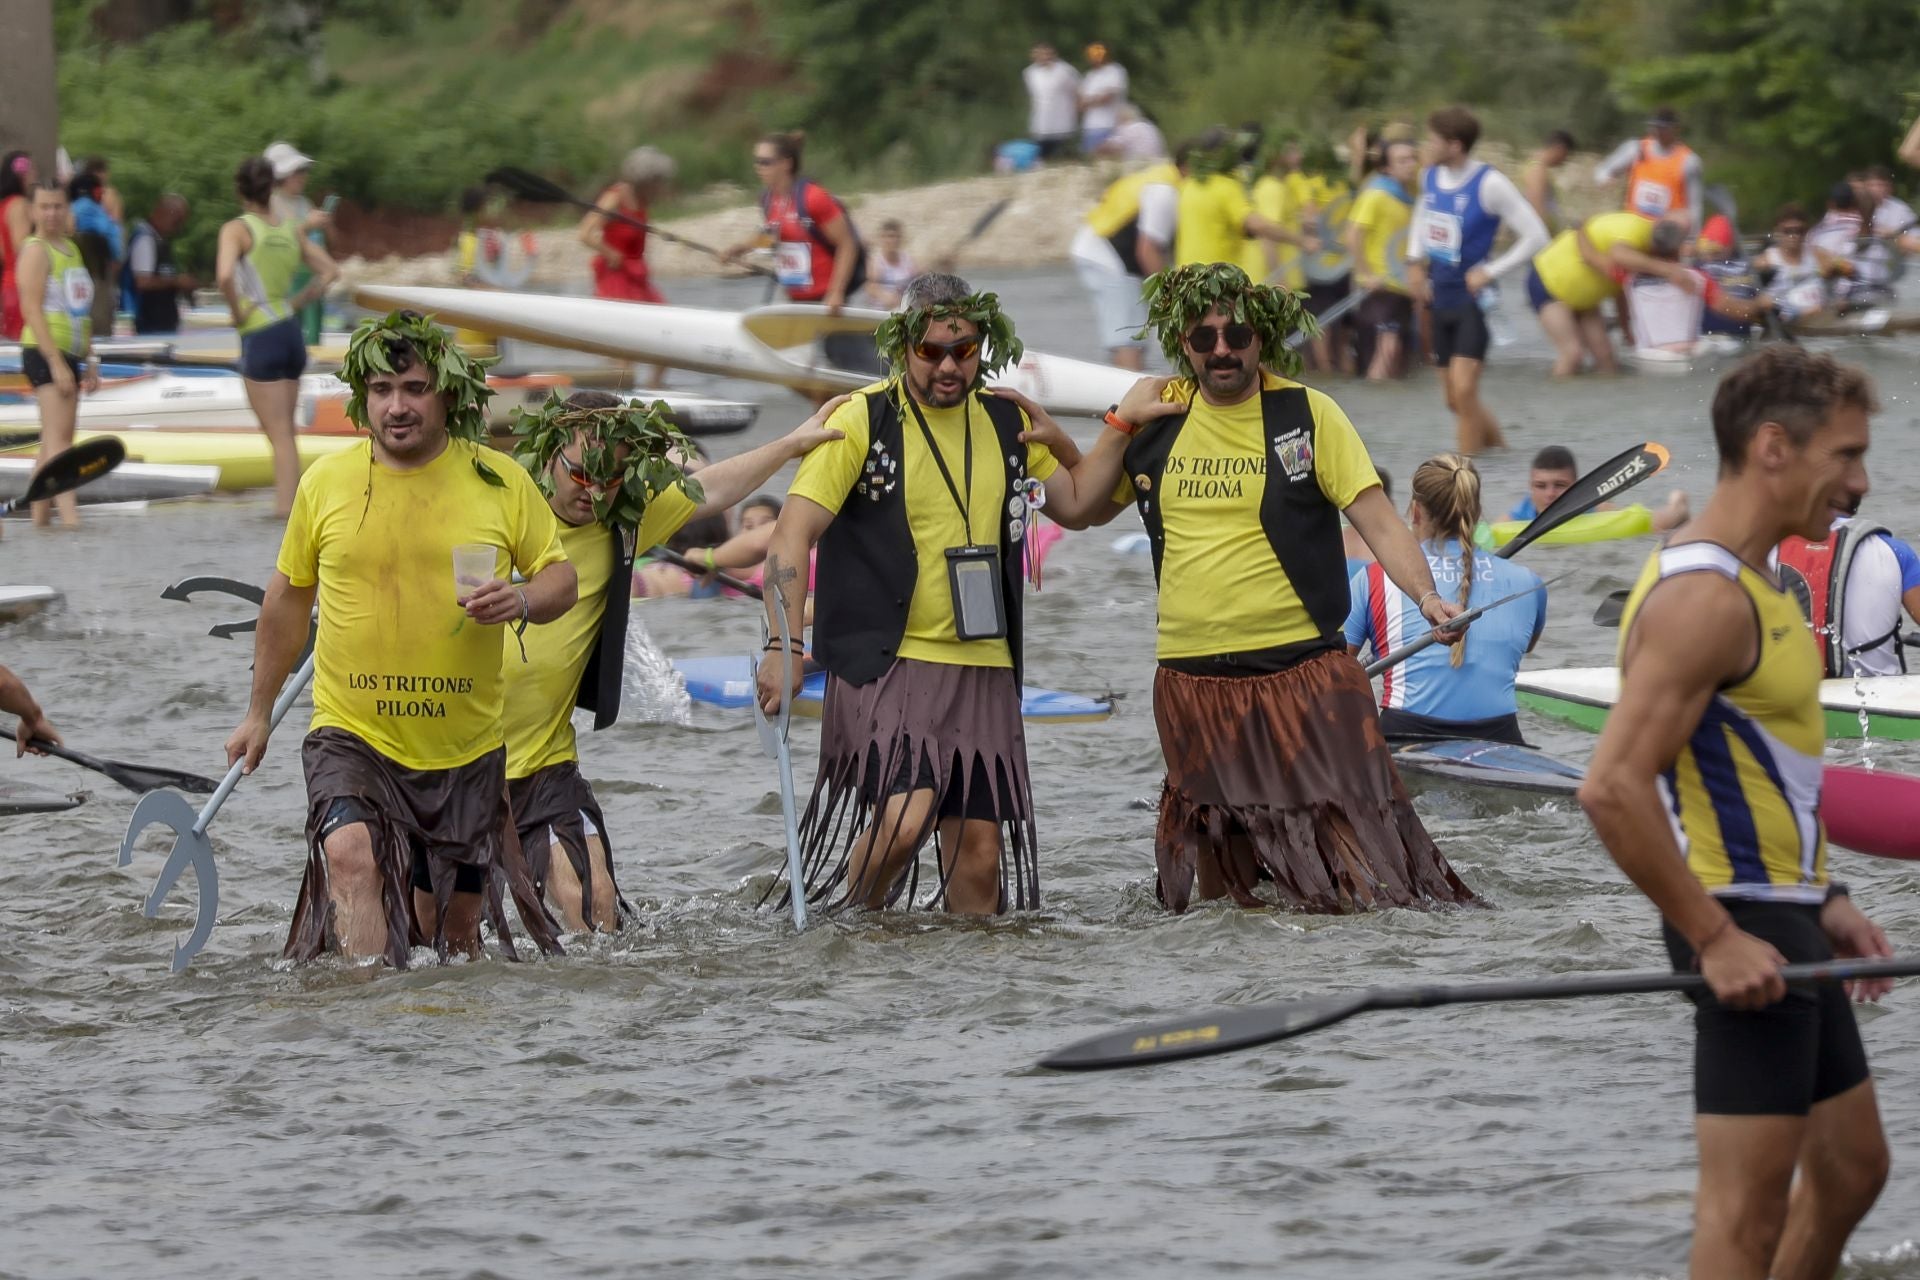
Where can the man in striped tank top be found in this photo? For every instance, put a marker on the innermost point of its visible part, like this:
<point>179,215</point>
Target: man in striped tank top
<point>1705,788</point>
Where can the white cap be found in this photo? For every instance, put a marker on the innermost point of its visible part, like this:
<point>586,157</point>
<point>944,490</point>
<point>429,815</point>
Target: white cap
<point>286,161</point>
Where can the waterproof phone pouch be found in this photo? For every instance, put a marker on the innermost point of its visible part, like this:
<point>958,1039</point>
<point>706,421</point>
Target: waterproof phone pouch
<point>979,609</point>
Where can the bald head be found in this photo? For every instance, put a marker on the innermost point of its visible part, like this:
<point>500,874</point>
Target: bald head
<point>169,214</point>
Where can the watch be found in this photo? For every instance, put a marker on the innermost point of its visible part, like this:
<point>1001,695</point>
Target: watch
<point>1118,423</point>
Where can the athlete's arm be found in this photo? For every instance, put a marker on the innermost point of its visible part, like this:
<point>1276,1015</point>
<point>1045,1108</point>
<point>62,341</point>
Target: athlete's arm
<point>593,226</point>
<point>846,256</point>
<point>1152,255</point>
<point>1667,679</point>
<point>1394,546</point>
<point>286,615</point>
<point>1631,259</point>
<point>17,700</point>
<point>1910,145</point>
<point>1268,229</point>
<point>1097,473</point>
<point>1618,161</point>
<point>743,550</point>
<point>1537,182</point>
<point>725,484</point>
<point>784,585</point>
<point>1355,240</point>
<point>1417,255</point>
<point>324,270</point>
<point>234,244</point>
<point>1516,213</point>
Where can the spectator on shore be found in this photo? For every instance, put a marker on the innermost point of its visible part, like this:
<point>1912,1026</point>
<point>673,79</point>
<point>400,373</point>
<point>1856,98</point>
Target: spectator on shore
<point>101,246</point>
<point>152,283</point>
<point>1134,138</point>
<point>889,267</point>
<point>1103,91</point>
<point>1053,102</point>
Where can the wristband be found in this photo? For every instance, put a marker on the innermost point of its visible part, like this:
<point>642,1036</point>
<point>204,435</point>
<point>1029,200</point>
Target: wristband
<point>1118,423</point>
<point>710,560</point>
<point>1421,604</point>
<point>1836,889</point>
<point>526,610</point>
<point>1700,952</point>
<point>794,645</point>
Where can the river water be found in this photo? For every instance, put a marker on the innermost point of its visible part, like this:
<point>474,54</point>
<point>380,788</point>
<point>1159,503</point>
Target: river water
<point>709,1095</point>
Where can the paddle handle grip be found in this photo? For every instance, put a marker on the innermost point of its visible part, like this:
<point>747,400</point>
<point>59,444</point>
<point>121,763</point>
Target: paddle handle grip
<point>1395,657</point>
<point>1629,983</point>
<point>281,705</point>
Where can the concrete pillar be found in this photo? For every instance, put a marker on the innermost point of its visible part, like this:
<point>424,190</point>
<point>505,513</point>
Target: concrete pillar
<point>29,110</point>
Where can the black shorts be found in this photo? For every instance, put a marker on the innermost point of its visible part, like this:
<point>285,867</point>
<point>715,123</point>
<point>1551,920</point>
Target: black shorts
<point>1385,311</point>
<point>1322,296</point>
<point>984,799</point>
<point>277,353</point>
<point>1460,331</point>
<point>33,363</point>
<point>1780,1060</point>
<point>347,810</point>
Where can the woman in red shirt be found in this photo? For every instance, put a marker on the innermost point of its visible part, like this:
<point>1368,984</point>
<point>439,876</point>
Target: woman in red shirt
<point>620,248</point>
<point>817,253</point>
<point>16,224</point>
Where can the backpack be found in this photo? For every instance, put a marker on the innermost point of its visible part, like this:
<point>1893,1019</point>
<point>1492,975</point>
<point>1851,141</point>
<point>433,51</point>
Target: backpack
<point>800,188</point>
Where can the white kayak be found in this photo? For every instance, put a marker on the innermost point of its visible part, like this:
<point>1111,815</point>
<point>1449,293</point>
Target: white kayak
<point>23,602</point>
<point>128,482</point>
<point>1890,705</point>
<point>788,345</point>
<point>173,401</point>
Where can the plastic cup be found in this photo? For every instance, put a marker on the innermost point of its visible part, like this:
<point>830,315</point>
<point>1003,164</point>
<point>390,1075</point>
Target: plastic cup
<point>473,564</point>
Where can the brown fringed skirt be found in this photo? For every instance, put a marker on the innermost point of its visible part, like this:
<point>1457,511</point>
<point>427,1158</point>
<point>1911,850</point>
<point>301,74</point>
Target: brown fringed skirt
<point>922,726</point>
<point>456,817</point>
<point>557,804</point>
<point>1287,773</point>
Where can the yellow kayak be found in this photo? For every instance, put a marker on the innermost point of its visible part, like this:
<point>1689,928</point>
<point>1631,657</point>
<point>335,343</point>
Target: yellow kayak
<point>1594,526</point>
<point>244,457</point>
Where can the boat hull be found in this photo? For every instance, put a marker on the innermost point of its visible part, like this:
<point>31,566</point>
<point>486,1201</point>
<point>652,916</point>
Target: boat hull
<point>1582,696</point>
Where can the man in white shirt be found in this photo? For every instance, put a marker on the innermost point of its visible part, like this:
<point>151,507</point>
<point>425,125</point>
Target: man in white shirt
<point>1462,207</point>
<point>1103,91</point>
<point>1126,238</point>
<point>1053,101</point>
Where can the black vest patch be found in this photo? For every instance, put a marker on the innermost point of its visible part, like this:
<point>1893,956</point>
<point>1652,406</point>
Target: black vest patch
<point>868,564</point>
<point>1301,525</point>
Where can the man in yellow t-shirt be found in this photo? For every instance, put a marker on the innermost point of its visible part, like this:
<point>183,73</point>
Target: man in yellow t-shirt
<point>1580,269</point>
<point>579,455</point>
<point>1275,760</point>
<point>921,513</point>
<point>1377,241</point>
<point>1216,217</point>
<point>405,761</point>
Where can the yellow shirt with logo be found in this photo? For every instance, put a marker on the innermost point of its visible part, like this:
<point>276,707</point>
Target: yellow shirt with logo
<point>68,301</point>
<point>1222,589</point>
<point>1745,789</point>
<point>827,476</point>
<point>1213,220</point>
<point>400,665</point>
<point>1567,276</point>
<point>1383,223</point>
<point>1272,199</point>
<point>538,721</point>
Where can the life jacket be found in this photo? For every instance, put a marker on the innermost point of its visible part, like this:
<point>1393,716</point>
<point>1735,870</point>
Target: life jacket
<point>1657,185</point>
<point>1116,219</point>
<point>868,562</point>
<point>1816,574</point>
<point>821,273</point>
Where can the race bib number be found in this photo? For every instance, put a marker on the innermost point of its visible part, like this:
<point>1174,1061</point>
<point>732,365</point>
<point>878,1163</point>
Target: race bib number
<point>77,285</point>
<point>1650,198</point>
<point>1808,295</point>
<point>793,264</point>
<point>1443,236</point>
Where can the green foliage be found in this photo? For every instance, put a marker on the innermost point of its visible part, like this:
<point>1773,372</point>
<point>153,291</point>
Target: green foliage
<point>455,373</point>
<point>1179,298</point>
<point>650,468</point>
<point>899,331</point>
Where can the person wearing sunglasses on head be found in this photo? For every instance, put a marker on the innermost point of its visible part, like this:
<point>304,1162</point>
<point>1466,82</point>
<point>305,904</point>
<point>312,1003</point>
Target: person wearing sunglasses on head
<point>590,455</point>
<point>1275,762</point>
<point>922,514</point>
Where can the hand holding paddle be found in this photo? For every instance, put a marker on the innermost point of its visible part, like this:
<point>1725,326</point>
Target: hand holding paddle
<point>1447,633</point>
<point>531,186</point>
<point>69,469</point>
<point>134,777</point>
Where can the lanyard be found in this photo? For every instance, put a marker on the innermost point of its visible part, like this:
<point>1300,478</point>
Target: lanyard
<point>966,466</point>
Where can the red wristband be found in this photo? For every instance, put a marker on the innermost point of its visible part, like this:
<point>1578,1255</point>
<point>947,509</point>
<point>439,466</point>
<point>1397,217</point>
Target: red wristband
<point>1120,424</point>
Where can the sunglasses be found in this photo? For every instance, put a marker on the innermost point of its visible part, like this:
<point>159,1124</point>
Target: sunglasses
<point>1202,337</point>
<point>577,473</point>
<point>937,352</point>
<point>761,162</point>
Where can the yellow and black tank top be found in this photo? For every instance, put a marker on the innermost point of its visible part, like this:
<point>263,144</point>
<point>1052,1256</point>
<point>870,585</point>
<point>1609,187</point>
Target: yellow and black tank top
<point>1744,793</point>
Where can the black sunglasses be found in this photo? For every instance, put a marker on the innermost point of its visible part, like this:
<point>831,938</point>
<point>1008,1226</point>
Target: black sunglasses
<point>937,352</point>
<point>1203,337</point>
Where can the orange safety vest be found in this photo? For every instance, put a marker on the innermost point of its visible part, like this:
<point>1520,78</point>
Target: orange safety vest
<point>1657,185</point>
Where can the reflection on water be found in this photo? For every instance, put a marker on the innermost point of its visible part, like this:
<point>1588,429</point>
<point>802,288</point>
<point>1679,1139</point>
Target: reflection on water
<point>710,1095</point>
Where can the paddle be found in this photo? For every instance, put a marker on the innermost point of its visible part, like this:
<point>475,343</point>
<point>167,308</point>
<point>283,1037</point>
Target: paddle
<point>699,570</point>
<point>1332,315</point>
<point>134,777</point>
<point>1395,657</point>
<point>1611,478</point>
<point>987,218</point>
<point>1227,1030</point>
<point>533,187</point>
<point>69,469</point>
<point>773,741</point>
<point>1613,608</point>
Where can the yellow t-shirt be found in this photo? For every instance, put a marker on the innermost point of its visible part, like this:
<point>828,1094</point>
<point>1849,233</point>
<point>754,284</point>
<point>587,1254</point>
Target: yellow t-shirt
<point>1272,199</point>
<point>538,722</point>
<point>1383,222</point>
<point>1213,220</point>
<point>1222,589</point>
<point>466,252</point>
<point>828,474</point>
<point>401,666</point>
<point>1566,275</point>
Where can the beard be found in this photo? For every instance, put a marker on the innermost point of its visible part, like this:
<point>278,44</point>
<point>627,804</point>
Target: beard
<point>1227,379</point>
<point>935,397</point>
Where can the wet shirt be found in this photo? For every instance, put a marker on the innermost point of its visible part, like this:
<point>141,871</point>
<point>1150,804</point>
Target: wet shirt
<point>400,665</point>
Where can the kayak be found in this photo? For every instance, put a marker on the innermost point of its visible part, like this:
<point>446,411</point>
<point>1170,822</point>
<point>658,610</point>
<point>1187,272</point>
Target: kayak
<point>1858,324</point>
<point>1594,526</point>
<point>785,344</point>
<point>244,458</point>
<point>727,681</point>
<point>23,602</point>
<point>1871,810</point>
<point>17,799</point>
<point>1501,765</point>
<point>172,401</point>
<point>1582,696</point>
<point>128,482</point>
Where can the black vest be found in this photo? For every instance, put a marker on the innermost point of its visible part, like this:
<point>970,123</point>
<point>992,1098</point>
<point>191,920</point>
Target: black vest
<point>868,563</point>
<point>155,310</point>
<point>606,665</point>
<point>1302,525</point>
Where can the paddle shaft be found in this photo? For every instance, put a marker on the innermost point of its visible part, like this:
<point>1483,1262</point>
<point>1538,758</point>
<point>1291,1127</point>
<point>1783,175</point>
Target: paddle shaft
<point>281,705</point>
<point>530,186</point>
<point>1397,656</point>
<point>124,774</point>
<point>773,740</point>
<point>1332,315</point>
<point>694,567</point>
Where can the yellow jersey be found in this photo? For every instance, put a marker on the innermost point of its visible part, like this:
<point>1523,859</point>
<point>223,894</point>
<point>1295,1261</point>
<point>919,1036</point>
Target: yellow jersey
<point>1272,199</point>
<point>1744,792</point>
<point>1213,220</point>
<point>399,664</point>
<point>827,476</point>
<point>68,303</point>
<point>1567,276</point>
<point>1383,219</point>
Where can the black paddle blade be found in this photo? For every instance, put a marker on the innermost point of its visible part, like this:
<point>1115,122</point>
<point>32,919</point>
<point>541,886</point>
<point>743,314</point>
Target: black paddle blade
<point>1613,608</point>
<point>134,777</point>
<point>71,468</point>
<point>1221,1031</point>
<point>1608,480</point>
<point>987,218</point>
<point>529,186</point>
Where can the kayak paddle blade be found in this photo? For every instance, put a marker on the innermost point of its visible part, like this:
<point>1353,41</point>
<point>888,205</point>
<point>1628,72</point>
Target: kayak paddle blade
<point>71,468</point>
<point>1220,1031</point>
<point>1608,480</point>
